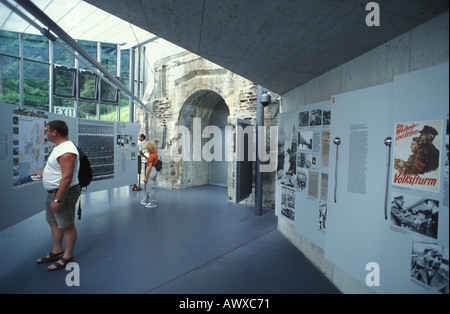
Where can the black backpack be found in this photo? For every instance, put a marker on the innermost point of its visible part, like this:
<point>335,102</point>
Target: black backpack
<point>85,171</point>
<point>158,165</point>
<point>84,175</point>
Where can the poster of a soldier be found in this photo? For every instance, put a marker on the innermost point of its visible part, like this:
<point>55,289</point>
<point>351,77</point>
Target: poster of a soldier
<point>429,266</point>
<point>417,155</point>
<point>415,214</point>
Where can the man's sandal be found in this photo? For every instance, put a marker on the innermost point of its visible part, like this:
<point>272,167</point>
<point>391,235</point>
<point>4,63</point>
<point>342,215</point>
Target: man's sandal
<point>63,265</point>
<point>50,257</point>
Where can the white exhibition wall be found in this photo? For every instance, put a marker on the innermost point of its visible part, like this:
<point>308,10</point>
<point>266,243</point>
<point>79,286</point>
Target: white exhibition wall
<point>342,197</point>
<point>110,146</point>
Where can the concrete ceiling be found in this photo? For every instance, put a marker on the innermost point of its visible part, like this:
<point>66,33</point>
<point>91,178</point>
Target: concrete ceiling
<point>278,44</point>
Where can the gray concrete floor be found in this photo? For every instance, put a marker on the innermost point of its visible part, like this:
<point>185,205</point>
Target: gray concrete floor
<point>194,242</point>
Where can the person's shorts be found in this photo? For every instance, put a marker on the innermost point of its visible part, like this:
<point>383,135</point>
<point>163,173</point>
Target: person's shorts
<point>66,215</point>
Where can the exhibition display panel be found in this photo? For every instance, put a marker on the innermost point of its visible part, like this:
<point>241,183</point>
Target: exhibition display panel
<point>110,146</point>
<point>371,189</point>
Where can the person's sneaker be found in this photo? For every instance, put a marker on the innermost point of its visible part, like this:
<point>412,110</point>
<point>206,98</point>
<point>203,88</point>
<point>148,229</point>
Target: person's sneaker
<point>150,205</point>
<point>144,203</point>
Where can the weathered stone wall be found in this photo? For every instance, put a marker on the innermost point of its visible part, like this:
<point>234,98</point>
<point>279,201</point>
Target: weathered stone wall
<point>187,86</point>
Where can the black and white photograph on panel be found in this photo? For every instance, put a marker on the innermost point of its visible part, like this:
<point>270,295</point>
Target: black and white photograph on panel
<point>322,215</point>
<point>303,119</point>
<point>288,203</point>
<point>413,213</point>
<point>302,179</point>
<point>315,117</point>
<point>304,159</point>
<point>312,154</point>
<point>287,150</point>
<point>430,266</point>
<point>280,160</point>
<point>326,118</point>
<point>305,140</point>
<point>96,139</point>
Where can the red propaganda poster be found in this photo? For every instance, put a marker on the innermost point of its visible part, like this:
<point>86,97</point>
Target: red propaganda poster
<point>416,155</point>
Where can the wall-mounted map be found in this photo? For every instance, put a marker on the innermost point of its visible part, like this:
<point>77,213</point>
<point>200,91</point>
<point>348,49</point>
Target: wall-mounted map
<point>30,145</point>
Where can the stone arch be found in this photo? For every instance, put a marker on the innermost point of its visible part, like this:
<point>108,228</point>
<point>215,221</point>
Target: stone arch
<point>201,109</point>
<point>187,86</point>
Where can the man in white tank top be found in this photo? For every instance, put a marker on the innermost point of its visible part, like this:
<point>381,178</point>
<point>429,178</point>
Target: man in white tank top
<point>60,179</point>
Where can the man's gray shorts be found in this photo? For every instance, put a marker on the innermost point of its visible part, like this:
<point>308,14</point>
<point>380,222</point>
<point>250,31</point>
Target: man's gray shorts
<point>66,215</point>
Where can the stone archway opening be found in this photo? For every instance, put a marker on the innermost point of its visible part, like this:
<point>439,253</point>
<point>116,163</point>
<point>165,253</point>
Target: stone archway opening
<point>202,109</point>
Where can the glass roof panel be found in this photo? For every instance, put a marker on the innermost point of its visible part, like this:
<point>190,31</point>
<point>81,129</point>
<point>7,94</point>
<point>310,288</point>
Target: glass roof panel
<point>79,19</point>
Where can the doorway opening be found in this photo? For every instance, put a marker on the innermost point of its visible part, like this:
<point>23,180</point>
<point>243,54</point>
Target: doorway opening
<point>211,109</point>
